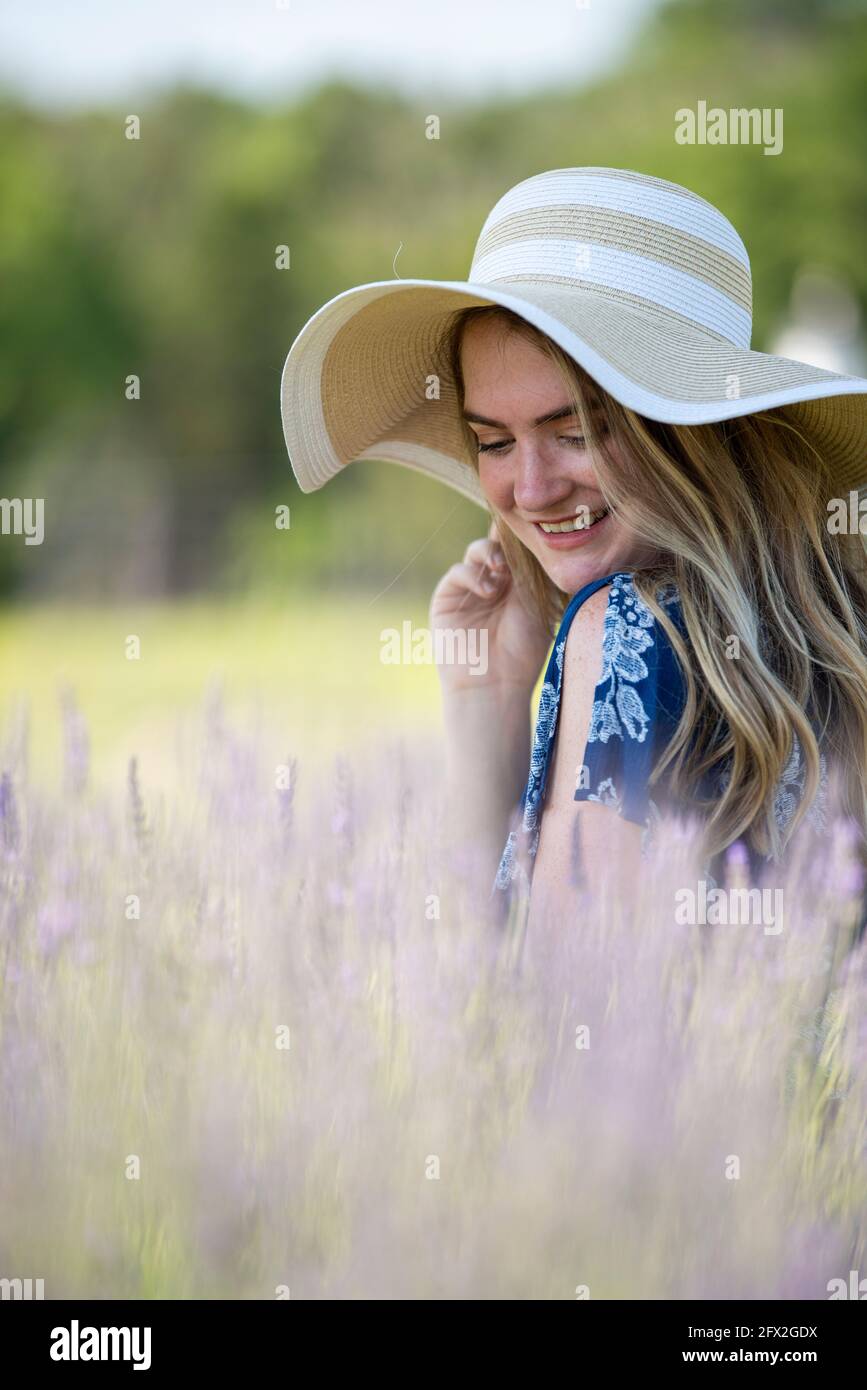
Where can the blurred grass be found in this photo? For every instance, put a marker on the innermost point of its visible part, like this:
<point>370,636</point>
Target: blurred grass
<point>311,667</point>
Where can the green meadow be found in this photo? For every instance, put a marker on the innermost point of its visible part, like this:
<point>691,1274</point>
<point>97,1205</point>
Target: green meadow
<point>309,668</point>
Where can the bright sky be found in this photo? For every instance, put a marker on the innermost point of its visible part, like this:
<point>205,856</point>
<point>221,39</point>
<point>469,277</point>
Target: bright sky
<point>61,52</point>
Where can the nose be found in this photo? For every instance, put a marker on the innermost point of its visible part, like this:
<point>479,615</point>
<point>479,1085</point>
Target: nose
<point>538,483</point>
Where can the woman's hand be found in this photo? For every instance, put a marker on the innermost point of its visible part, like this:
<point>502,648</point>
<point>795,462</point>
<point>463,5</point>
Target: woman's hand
<point>480,593</point>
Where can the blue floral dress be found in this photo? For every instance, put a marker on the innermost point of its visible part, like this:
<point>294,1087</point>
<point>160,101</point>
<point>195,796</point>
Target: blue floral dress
<point>637,706</point>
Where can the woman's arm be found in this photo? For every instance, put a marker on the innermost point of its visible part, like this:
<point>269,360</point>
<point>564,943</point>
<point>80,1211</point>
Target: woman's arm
<point>486,710</point>
<point>487,760</point>
<point>580,841</point>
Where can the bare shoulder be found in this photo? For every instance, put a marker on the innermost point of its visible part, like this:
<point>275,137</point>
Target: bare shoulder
<point>584,638</point>
<point>582,668</point>
<point>594,831</point>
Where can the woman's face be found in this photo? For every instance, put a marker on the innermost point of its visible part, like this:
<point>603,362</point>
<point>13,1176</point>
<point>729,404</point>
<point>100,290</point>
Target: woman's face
<point>536,470</point>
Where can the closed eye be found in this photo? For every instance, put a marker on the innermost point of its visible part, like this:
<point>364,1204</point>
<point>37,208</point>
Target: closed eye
<point>502,444</point>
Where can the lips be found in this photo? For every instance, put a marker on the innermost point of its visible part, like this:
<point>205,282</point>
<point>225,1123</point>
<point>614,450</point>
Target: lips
<point>582,522</point>
<point>574,536</point>
<point>599,506</point>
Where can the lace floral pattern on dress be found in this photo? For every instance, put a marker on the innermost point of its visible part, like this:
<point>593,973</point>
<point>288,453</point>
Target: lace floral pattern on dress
<point>627,634</point>
<point>636,707</point>
<point>791,789</point>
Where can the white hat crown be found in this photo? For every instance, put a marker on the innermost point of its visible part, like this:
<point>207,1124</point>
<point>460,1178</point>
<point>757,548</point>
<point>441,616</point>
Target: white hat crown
<point>641,239</point>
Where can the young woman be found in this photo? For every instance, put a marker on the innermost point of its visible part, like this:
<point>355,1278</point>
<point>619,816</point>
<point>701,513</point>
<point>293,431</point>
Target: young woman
<point>710,649</point>
<point>660,499</point>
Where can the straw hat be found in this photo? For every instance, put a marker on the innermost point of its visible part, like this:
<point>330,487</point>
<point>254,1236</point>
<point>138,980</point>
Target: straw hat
<point>645,284</point>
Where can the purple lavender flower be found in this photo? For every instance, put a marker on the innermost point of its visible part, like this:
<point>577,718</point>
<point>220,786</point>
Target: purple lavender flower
<point>76,743</point>
<point>137,815</point>
<point>9,824</point>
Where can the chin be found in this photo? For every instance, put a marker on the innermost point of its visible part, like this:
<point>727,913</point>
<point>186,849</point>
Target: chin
<point>571,572</point>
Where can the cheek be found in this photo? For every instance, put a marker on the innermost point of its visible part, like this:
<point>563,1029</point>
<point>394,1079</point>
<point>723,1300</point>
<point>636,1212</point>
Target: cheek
<point>496,482</point>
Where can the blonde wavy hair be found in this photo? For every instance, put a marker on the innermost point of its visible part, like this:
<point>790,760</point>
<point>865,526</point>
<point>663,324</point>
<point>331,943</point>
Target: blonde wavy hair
<point>736,512</point>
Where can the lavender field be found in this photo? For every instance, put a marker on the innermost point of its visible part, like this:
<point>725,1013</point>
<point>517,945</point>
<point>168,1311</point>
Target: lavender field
<point>257,1042</point>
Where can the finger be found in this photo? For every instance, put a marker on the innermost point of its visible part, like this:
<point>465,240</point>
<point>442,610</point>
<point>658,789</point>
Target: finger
<point>477,552</point>
<point>485,552</point>
<point>472,577</point>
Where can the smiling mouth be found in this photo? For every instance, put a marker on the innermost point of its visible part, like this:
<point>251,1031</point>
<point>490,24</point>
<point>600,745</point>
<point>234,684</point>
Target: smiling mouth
<point>571,523</point>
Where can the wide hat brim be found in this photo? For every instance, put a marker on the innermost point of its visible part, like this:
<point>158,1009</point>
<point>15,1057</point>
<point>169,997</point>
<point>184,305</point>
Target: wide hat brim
<point>366,378</point>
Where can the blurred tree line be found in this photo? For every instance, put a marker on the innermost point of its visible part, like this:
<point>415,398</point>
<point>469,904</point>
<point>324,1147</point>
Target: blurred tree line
<point>156,257</point>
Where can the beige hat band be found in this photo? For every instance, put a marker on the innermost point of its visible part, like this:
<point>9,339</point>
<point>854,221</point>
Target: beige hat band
<point>592,227</point>
<point>658,284</point>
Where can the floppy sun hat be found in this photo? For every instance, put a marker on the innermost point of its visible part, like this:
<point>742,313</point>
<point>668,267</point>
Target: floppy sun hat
<point>643,283</point>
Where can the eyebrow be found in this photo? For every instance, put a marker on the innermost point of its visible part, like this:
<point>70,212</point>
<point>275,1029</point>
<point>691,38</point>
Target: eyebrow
<point>560,414</point>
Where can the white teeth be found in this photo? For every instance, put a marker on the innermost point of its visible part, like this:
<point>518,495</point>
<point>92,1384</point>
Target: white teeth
<point>579,524</point>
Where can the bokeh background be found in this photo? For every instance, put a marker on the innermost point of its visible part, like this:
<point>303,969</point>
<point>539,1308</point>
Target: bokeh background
<point>303,124</point>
